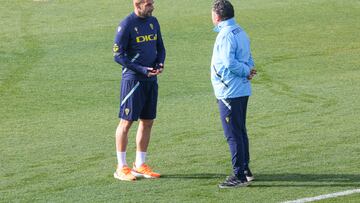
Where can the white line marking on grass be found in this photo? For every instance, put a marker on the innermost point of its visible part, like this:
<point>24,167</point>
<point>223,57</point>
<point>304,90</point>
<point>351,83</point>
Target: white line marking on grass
<point>327,196</point>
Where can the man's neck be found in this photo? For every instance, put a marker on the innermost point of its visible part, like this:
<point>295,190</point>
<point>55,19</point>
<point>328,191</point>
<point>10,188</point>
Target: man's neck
<point>138,14</point>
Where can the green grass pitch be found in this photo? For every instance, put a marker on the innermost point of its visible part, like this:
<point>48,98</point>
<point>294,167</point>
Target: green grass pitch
<point>59,89</point>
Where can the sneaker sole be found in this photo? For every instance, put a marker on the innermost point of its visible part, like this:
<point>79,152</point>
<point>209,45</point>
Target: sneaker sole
<point>250,178</point>
<point>123,179</point>
<point>140,175</point>
<point>236,186</point>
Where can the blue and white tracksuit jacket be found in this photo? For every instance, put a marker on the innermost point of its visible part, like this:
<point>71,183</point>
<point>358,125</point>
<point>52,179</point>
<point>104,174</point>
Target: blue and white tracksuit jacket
<point>231,61</point>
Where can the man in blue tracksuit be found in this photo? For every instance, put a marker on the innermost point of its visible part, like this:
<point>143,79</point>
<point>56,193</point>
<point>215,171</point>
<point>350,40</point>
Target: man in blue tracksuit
<point>139,48</point>
<point>232,68</point>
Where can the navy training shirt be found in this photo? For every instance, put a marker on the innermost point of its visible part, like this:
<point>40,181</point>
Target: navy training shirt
<point>138,44</point>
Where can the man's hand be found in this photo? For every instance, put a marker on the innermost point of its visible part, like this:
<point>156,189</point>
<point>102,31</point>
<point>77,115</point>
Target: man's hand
<point>155,71</point>
<point>160,67</point>
<point>152,72</point>
<point>252,74</point>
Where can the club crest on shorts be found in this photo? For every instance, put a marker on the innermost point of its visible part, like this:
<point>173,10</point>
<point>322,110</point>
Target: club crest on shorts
<point>127,111</point>
<point>227,119</point>
<point>115,48</point>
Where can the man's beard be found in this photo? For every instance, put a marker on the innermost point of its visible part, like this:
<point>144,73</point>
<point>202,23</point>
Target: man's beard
<point>145,13</point>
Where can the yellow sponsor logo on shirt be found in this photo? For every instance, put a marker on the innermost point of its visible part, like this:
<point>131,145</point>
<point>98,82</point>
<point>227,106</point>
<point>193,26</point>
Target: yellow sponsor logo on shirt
<point>146,38</point>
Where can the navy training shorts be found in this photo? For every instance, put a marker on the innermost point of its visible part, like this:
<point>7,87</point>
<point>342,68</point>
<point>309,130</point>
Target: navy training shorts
<point>138,99</point>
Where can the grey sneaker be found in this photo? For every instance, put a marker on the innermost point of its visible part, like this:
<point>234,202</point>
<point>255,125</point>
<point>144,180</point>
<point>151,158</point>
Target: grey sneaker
<point>233,182</point>
<point>249,175</point>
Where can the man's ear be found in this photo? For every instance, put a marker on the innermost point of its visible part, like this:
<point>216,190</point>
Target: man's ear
<point>217,17</point>
<point>136,5</point>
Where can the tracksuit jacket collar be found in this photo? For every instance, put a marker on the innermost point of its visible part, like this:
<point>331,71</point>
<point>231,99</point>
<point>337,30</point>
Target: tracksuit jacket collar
<point>224,23</point>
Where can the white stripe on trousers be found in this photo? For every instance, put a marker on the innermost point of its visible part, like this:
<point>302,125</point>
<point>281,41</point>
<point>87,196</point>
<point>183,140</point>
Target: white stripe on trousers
<point>226,103</point>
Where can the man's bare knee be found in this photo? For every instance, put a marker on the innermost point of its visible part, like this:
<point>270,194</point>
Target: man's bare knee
<point>146,123</point>
<point>125,125</point>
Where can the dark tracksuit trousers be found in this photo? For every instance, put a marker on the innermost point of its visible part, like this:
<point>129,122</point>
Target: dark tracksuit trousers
<point>233,119</point>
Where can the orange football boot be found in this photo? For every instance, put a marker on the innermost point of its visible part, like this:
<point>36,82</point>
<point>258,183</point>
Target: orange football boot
<point>124,173</point>
<point>144,171</point>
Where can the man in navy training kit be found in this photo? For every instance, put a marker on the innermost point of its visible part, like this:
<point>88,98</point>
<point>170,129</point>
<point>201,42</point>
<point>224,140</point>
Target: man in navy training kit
<point>139,48</point>
<point>232,68</point>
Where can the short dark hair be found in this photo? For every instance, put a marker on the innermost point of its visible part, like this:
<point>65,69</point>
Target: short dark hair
<point>223,8</point>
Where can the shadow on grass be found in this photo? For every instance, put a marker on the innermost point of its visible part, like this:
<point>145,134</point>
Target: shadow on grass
<point>285,179</point>
<point>194,176</point>
<point>308,180</point>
